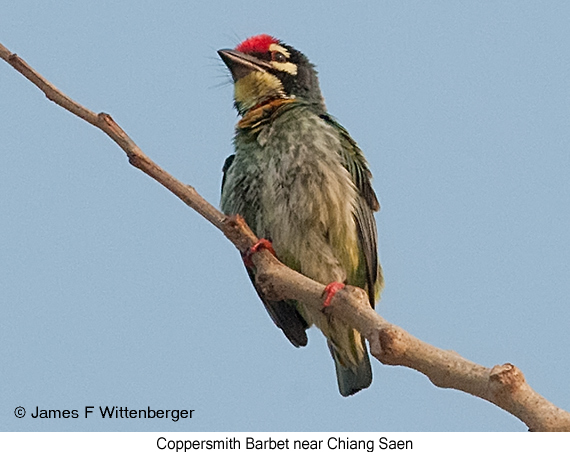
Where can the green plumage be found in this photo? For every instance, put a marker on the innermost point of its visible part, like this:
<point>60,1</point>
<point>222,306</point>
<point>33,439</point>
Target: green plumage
<point>300,181</point>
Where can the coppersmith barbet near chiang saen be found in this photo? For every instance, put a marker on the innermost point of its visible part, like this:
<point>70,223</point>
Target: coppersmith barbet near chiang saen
<point>300,181</point>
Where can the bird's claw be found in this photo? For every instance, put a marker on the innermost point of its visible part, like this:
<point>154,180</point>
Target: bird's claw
<point>262,244</point>
<point>330,290</point>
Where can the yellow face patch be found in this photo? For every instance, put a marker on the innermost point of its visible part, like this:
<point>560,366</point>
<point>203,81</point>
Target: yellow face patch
<point>280,49</point>
<point>285,66</point>
<point>289,67</point>
<point>256,87</point>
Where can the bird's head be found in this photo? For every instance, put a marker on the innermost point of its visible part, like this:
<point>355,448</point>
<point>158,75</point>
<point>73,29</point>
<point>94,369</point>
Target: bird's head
<point>264,69</point>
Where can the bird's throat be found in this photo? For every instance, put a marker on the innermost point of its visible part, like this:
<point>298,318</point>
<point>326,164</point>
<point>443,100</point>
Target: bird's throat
<point>262,113</point>
<point>256,88</point>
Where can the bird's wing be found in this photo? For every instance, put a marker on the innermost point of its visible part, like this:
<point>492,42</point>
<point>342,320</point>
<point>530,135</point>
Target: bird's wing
<point>367,203</point>
<point>225,169</point>
<point>283,313</point>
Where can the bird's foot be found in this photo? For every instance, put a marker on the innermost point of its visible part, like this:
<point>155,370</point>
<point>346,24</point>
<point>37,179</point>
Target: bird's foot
<point>262,244</point>
<point>330,290</point>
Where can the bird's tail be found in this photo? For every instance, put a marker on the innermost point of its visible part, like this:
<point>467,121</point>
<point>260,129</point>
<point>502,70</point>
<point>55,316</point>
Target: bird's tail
<point>351,378</point>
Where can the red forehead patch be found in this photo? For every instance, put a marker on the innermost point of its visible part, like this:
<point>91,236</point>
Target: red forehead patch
<point>259,43</point>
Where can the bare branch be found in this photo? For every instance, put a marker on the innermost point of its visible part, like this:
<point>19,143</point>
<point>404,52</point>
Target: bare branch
<point>503,385</point>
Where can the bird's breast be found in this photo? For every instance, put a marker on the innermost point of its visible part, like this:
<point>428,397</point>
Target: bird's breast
<point>307,199</point>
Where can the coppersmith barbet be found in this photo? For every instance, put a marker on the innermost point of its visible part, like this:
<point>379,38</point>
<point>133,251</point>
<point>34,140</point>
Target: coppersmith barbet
<point>301,182</point>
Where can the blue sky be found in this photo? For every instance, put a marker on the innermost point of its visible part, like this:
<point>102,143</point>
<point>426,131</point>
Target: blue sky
<point>112,292</point>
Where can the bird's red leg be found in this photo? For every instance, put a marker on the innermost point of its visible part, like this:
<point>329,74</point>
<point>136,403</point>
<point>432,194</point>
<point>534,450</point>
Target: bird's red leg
<point>260,245</point>
<point>330,290</point>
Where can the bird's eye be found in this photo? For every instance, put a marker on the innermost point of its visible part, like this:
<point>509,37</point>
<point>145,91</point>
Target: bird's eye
<point>278,57</point>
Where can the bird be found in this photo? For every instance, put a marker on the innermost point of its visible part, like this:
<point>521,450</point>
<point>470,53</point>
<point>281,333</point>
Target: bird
<point>303,185</point>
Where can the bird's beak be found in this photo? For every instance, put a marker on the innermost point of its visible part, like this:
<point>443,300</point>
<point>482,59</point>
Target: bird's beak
<point>241,64</point>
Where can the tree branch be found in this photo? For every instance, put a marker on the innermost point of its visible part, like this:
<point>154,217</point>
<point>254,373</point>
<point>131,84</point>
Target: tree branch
<point>504,385</point>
